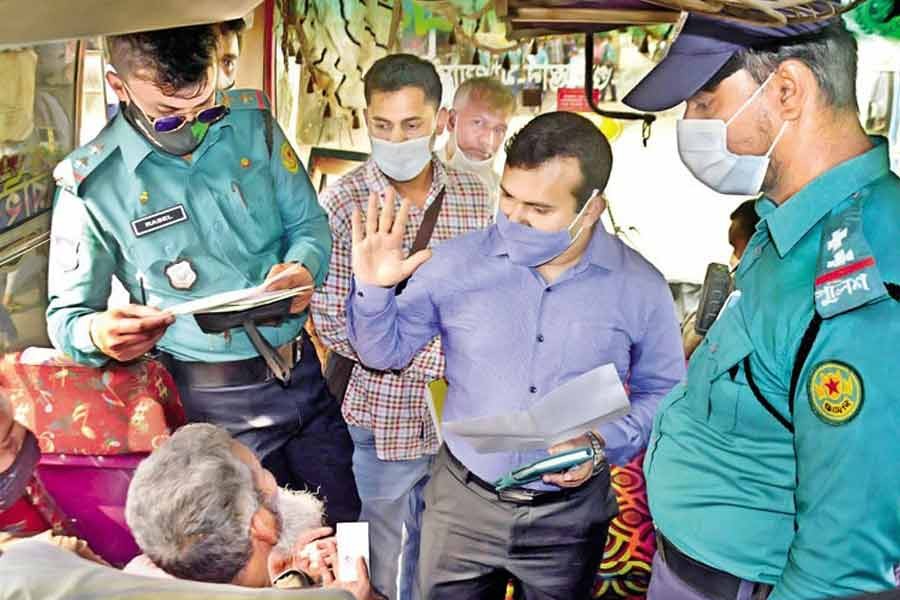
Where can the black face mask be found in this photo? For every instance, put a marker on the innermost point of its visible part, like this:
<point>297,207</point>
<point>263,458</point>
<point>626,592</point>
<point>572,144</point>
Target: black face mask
<point>180,143</point>
<point>14,480</point>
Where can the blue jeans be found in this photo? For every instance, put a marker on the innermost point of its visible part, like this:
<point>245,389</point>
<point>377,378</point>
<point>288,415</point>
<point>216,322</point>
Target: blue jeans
<point>391,494</point>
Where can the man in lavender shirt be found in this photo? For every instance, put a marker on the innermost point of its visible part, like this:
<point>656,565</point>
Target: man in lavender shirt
<point>541,297</point>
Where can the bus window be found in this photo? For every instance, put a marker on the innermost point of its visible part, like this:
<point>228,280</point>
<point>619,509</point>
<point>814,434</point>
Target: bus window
<point>37,129</point>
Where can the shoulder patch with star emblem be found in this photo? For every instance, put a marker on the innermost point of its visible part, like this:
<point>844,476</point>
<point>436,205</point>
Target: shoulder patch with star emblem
<point>835,392</point>
<point>289,159</point>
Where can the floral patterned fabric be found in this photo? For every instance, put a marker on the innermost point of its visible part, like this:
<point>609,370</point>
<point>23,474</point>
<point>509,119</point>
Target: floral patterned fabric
<point>81,410</point>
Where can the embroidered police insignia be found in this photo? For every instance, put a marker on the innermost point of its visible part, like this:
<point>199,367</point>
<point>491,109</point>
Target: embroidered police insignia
<point>289,159</point>
<point>835,392</point>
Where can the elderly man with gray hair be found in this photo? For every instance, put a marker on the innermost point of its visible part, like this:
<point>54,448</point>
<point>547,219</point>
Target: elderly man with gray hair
<point>202,507</point>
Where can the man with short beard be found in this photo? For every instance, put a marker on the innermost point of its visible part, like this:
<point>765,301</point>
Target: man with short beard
<point>202,507</point>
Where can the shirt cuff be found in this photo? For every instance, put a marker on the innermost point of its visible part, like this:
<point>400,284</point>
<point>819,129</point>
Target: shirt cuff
<point>310,262</point>
<point>81,335</point>
<point>81,347</point>
<point>370,300</point>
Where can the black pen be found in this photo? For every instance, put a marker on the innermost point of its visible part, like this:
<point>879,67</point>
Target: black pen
<point>143,292</point>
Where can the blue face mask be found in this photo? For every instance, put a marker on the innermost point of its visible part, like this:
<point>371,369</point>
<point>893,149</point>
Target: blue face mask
<point>14,480</point>
<point>530,247</point>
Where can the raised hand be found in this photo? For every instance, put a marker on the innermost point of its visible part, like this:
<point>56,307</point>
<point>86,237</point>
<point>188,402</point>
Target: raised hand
<point>378,255</point>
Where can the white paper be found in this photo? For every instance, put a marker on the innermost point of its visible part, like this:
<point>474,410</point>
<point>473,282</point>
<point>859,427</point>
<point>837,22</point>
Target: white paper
<point>574,408</point>
<point>352,542</point>
<point>238,299</point>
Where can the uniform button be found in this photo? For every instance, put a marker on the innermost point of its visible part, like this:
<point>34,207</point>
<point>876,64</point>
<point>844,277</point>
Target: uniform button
<point>549,289</point>
<point>532,389</point>
<point>540,337</point>
<point>713,348</point>
<point>360,294</point>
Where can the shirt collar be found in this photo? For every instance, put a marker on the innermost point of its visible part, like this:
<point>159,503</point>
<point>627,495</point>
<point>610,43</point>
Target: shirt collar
<point>788,223</point>
<point>133,145</point>
<point>603,250</point>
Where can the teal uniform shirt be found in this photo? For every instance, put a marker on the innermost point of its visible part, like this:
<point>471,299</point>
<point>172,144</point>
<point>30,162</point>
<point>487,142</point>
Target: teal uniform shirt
<point>810,505</point>
<point>185,229</point>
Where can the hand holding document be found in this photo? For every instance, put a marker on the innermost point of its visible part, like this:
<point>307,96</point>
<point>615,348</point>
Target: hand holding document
<point>574,408</point>
<point>239,300</point>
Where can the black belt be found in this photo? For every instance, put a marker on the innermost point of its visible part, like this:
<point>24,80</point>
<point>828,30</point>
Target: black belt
<point>709,581</point>
<point>248,371</point>
<point>514,495</point>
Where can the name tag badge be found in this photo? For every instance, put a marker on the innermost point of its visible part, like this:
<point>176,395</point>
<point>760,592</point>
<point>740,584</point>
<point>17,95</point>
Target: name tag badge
<point>159,220</point>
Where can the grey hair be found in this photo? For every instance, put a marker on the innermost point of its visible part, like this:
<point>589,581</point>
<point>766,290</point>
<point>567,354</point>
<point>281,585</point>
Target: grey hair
<point>831,55</point>
<point>190,504</point>
<point>489,89</point>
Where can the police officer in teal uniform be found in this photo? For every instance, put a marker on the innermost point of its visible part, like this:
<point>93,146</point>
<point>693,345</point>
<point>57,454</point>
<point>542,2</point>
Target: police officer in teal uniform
<point>772,471</point>
<point>188,192</point>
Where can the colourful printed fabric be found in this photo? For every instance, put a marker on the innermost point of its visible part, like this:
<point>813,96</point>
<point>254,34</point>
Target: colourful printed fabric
<point>93,411</point>
<point>631,542</point>
<point>391,404</point>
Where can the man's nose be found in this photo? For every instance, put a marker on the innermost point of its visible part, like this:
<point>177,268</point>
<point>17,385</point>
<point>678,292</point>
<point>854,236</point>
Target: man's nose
<point>518,215</point>
<point>489,142</point>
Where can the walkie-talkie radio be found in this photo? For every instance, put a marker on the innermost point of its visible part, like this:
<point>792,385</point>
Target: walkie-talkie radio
<point>717,285</point>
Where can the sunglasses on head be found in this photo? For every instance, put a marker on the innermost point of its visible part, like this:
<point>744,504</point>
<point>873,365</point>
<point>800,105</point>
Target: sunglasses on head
<point>172,123</point>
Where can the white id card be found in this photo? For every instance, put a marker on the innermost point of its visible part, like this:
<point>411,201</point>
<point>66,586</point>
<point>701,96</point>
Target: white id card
<point>352,542</point>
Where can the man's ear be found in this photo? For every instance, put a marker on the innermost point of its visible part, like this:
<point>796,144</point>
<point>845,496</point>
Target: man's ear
<point>595,209</point>
<point>444,118</point>
<point>795,87</point>
<point>115,82</point>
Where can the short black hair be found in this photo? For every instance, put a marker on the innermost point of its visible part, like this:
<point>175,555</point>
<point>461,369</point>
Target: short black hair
<point>564,135</point>
<point>831,55</point>
<point>233,26</point>
<point>744,219</point>
<point>174,58</point>
<point>397,71</point>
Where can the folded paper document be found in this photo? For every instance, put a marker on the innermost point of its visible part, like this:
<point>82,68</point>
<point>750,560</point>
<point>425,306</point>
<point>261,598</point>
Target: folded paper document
<point>574,408</point>
<point>238,300</point>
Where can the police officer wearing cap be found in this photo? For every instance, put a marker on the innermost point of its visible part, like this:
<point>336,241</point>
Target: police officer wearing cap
<point>188,192</point>
<point>772,471</point>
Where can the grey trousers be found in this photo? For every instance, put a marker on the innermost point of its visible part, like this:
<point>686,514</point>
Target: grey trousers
<point>666,585</point>
<point>472,542</point>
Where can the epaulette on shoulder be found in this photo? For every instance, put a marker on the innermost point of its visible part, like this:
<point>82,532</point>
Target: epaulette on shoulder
<point>247,99</point>
<point>81,162</point>
<point>847,275</point>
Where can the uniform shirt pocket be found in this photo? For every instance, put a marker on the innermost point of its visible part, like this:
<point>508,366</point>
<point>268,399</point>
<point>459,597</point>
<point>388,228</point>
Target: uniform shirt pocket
<point>727,345</point>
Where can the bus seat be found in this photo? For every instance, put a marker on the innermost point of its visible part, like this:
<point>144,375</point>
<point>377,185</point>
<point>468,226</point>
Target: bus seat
<point>94,426</point>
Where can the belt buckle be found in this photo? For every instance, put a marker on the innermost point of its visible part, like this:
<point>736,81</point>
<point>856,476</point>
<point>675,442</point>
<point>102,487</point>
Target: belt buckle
<point>516,496</point>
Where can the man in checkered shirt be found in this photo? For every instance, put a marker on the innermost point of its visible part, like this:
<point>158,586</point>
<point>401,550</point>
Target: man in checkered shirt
<point>389,420</point>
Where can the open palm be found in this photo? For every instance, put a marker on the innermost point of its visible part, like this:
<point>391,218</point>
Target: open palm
<point>378,255</point>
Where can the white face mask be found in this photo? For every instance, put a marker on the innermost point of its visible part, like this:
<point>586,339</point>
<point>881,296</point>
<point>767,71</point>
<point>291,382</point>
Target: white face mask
<point>482,168</point>
<point>703,147</point>
<point>404,160</point>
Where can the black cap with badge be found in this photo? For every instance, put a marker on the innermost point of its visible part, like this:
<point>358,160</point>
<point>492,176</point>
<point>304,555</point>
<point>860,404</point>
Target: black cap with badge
<point>702,47</point>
